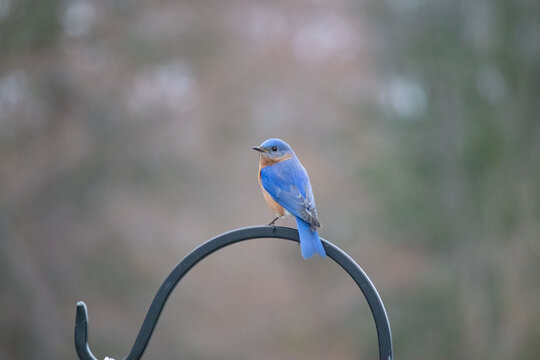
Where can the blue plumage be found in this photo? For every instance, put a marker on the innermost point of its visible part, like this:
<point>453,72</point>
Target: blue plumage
<point>310,244</point>
<point>284,178</point>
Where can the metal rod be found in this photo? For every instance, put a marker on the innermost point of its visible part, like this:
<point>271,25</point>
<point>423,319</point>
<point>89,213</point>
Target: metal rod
<point>255,232</point>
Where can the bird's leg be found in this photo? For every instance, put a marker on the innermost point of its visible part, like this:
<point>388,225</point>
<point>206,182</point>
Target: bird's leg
<point>272,223</point>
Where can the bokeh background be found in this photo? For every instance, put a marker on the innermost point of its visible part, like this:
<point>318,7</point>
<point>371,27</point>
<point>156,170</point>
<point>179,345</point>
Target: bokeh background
<point>125,135</point>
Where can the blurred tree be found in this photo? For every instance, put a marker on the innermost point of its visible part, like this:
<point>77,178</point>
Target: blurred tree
<point>462,176</point>
<point>28,25</point>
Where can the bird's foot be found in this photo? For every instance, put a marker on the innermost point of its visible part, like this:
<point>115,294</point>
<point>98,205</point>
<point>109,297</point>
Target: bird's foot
<point>273,223</point>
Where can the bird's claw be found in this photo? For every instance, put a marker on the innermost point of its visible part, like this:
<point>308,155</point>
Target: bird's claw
<point>273,224</point>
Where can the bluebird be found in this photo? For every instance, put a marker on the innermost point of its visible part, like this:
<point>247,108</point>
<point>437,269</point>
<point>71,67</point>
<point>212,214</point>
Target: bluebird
<point>286,188</point>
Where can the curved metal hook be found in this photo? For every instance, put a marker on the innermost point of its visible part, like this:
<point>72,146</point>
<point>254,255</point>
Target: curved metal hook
<point>345,261</point>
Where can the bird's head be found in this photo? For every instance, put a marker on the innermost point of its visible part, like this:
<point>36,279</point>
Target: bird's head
<point>275,150</point>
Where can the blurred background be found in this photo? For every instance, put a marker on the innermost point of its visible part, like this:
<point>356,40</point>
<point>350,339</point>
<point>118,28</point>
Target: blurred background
<point>125,136</point>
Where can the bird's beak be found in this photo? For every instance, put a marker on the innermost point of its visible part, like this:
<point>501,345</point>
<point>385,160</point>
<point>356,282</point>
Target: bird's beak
<point>261,150</point>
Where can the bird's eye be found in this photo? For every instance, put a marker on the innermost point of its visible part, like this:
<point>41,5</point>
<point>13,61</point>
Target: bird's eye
<point>274,148</point>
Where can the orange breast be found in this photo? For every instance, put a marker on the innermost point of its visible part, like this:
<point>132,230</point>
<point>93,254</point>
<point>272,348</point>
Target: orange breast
<point>276,208</point>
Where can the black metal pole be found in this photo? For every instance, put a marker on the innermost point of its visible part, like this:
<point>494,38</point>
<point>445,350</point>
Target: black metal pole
<point>255,232</point>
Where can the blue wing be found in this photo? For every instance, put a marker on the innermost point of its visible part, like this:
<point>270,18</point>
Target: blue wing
<point>288,184</point>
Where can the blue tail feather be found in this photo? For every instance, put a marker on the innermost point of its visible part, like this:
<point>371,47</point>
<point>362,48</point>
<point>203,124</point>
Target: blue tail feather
<point>310,244</point>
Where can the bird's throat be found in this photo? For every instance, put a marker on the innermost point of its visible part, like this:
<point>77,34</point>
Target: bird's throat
<point>264,161</point>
